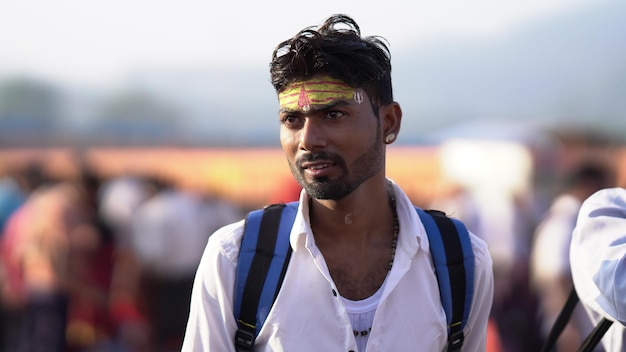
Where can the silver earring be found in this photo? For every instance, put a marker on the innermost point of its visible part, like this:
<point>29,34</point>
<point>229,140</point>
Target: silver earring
<point>390,137</point>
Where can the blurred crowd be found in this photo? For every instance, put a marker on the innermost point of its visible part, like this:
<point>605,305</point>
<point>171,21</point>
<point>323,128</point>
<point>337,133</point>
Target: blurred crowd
<point>525,207</point>
<point>93,264</point>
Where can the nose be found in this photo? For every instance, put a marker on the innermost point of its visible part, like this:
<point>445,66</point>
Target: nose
<point>312,135</point>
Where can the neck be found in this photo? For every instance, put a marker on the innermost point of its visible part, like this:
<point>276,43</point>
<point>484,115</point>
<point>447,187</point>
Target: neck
<point>359,254</point>
<point>353,219</point>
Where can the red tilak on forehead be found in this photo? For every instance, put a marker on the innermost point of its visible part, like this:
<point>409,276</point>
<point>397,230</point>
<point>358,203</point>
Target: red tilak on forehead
<point>303,99</point>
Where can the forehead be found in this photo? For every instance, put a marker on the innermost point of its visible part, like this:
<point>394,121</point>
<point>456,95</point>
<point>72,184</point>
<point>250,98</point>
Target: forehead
<point>318,91</point>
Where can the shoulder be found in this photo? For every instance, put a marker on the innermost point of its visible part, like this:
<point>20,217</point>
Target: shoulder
<point>473,247</point>
<point>225,241</point>
<point>605,202</point>
<point>482,256</point>
<point>602,216</point>
<point>219,260</point>
<point>478,246</point>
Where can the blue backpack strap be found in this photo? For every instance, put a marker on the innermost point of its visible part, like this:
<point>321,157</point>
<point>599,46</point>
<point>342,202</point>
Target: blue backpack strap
<point>452,253</point>
<point>263,259</point>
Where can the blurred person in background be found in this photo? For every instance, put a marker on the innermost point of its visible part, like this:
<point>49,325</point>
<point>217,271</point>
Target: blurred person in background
<point>16,183</point>
<point>58,257</point>
<point>551,276</point>
<point>103,314</point>
<point>35,248</point>
<point>597,254</point>
<point>12,195</point>
<point>493,197</point>
<point>118,199</point>
<point>169,232</point>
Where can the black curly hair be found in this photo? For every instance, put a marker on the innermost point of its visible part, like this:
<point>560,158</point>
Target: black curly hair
<point>335,49</point>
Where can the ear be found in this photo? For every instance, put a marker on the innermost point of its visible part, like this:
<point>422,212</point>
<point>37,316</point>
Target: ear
<point>391,119</point>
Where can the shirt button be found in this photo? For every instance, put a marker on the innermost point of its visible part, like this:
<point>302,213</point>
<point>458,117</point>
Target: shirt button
<point>334,293</point>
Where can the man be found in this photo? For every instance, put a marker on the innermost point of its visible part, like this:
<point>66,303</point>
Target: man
<point>597,255</point>
<point>360,276</point>
<point>550,264</point>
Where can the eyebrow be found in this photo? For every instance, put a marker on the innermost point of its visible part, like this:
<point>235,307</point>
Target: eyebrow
<point>317,107</point>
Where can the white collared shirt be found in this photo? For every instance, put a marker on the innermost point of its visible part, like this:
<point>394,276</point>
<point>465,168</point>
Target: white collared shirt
<point>309,315</point>
<point>598,261</point>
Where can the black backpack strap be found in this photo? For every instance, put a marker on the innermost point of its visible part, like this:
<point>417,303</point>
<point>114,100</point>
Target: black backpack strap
<point>561,321</point>
<point>451,249</point>
<point>263,260</point>
<point>595,336</point>
<point>592,340</point>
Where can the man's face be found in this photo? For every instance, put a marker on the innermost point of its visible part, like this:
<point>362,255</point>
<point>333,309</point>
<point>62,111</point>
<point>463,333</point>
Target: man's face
<point>330,135</point>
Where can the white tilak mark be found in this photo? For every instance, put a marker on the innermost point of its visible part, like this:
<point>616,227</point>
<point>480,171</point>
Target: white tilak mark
<point>348,219</point>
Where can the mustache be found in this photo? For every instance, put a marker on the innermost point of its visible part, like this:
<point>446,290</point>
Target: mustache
<point>315,156</point>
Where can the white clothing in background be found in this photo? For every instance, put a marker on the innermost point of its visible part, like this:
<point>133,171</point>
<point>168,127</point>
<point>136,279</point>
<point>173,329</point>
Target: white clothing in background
<point>598,261</point>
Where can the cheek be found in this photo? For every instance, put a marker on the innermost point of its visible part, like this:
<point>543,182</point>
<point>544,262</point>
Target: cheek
<point>362,135</point>
<point>288,140</point>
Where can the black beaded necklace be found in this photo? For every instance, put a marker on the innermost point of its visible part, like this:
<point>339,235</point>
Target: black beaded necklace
<point>396,224</point>
<point>394,243</point>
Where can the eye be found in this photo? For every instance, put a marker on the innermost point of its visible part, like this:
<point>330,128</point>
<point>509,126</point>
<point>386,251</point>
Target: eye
<point>290,121</point>
<point>334,114</point>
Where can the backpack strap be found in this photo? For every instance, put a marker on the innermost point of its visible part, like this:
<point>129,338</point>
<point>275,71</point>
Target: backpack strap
<point>590,342</point>
<point>452,253</point>
<point>595,336</point>
<point>561,321</point>
<point>265,253</point>
<point>261,266</point>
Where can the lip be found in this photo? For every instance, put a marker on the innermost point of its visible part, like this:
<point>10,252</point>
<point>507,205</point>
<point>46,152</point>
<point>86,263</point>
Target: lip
<point>318,168</point>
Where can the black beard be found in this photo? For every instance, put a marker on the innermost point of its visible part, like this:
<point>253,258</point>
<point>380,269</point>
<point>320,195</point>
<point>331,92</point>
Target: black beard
<point>322,187</point>
<point>368,164</point>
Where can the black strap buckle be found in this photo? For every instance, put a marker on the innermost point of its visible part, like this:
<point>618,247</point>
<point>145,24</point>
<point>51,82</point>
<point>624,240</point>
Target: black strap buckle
<point>455,340</point>
<point>244,340</point>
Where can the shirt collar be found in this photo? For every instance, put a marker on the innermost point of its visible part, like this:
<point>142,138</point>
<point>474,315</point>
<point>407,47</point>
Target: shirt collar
<point>410,238</point>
